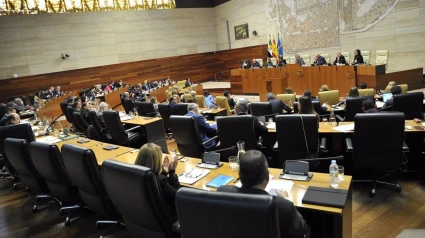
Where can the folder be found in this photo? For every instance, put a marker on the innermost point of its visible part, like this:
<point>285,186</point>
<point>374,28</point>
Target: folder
<point>325,197</point>
<point>219,181</point>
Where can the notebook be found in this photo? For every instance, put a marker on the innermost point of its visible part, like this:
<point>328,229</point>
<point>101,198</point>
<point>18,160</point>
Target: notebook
<point>386,96</point>
<point>219,181</point>
<point>325,196</point>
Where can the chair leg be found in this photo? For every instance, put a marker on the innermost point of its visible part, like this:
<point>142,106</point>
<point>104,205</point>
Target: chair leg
<point>41,199</point>
<point>117,224</point>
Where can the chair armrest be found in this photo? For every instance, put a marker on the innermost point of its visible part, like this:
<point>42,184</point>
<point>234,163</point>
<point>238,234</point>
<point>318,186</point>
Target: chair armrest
<point>133,128</point>
<point>209,140</point>
<point>339,118</point>
<point>176,227</point>
<point>323,143</point>
<point>260,142</point>
<point>385,108</point>
<point>349,144</point>
<point>405,147</point>
<point>276,146</point>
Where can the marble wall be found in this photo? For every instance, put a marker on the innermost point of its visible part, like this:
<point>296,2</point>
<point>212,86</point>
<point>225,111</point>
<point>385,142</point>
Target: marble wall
<point>33,44</point>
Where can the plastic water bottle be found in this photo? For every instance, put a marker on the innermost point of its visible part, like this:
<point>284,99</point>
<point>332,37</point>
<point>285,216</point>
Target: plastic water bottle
<point>332,119</point>
<point>333,174</point>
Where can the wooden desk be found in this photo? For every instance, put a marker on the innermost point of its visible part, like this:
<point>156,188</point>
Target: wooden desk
<point>114,98</point>
<point>213,112</point>
<point>342,218</point>
<point>153,128</point>
<point>52,108</point>
<point>74,142</point>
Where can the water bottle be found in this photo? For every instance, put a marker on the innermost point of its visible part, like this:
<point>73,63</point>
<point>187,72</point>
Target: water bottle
<point>332,119</point>
<point>333,174</point>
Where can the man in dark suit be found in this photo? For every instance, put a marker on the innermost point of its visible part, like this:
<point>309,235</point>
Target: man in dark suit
<point>173,104</point>
<point>241,109</point>
<point>254,176</point>
<point>57,92</point>
<point>230,99</point>
<point>319,60</point>
<point>50,92</point>
<point>145,86</point>
<point>9,111</point>
<point>271,98</point>
<point>255,64</point>
<point>369,105</point>
<point>205,129</point>
<point>103,106</point>
<point>340,59</point>
<point>395,90</point>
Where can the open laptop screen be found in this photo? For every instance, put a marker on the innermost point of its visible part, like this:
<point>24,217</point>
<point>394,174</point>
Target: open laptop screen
<point>386,96</point>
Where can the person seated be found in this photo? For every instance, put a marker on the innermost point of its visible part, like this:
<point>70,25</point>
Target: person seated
<point>50,93</point>
<point>126,95</point>
<point>155,103</point>
<point>324,108</point>
<point>282,62</point>
<point>254,176</point>
<point>192,98</point>
<point>229,99</point>
<point>57,92</point>
<point>241,108</point>
<point>206,131</point>
<point>389,86</point>
<point>188,83</point>
<point>118,84</point>
<point>108,88</point>
<point>271,98</point>
<point>369,105</point>
<point>299,60</point>
<point>37,100</point>
<point>182,96</point>
<point>269,63</point>
<point>84,112</point>
<point>319,60</point>
<point>305,106</point>
<point>255,64</point>
<point>9,111</point>
<point>340,59</point>
<point>145,86</point>
<point>324,88</point>
<point>363,85</point>
<point>150,156</point>
<point>154,84</point>
<point>358,58</point>
<point>13,119</point>
<point>289,90</point>
<point>19,105</point>
<point>395,90</point>
<point>103,106</point>
<point>209,100</point>
<point>353,93</point>
<point>173,105</point>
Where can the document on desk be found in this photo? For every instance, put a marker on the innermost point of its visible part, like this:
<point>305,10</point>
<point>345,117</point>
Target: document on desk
<point>283,185</point>
<point>193,175</point>
<point>126,118</point>
<point>344,128</point>
<point>48,140</point>
<point>271,126</point>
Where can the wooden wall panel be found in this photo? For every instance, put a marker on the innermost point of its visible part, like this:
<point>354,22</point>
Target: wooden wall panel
<point>199,67</point>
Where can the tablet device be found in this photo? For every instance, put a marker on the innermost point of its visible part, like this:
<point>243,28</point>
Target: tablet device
<point>219,181</point>
<point>386,96</point>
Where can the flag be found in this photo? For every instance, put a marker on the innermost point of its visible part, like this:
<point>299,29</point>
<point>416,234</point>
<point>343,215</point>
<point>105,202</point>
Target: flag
<point>274,49</point>
<point>279,46</point>
<point>269,50</point>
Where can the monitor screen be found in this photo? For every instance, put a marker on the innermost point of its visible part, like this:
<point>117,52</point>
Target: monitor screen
<point>386,96</point>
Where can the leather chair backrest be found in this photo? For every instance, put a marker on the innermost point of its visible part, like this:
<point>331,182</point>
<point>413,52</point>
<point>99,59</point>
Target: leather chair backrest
<point>327,58</point>
<point>223,102</point>
<point>31,98</point>
<point>411,104</point>
<point>404,88</point>
<point>47,160</point>
<point>147,109</point>
<point>211,223</point>
<point>64,107</point>
<point>19,156</point>
<point>317,107</point>
<point>378,140</point>
<point>260,61</point>
<point>347,56</point>
<point>128,105</point>
<point>381,57</point>
<point>81,166</point>
<point>293,125</point>
<point>306,59</point>
<point>353,106</point>
<point>366,57</point>
<point>3,109</point>
<point>114,124</point>
<point>78,119</point>
<point>285,98</point>
<point>182,109</point>
<point>331,97</point>
<point>144,209</point>
<point>94,121</point>
<point>261,108</point>
<point>200,100</point>
<point>233,129</point>
<point>366,91</point>
<point>93,134</point>
<point>164,111</point>
<point>69,117</point>
<point>276,106</point>
<point>186,134</point>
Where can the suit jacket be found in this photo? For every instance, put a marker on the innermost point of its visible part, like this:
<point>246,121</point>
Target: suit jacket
<point>56,93</point>
<point>260,130</point>
<point>145,87</point>
<point>374,110</point>
<point>283,106</point>
<point>4,120</point>
<point>320,61</point>
<point>205,129</point>
<point>50,94</point>
<point>188,84</point>
<point>358,59</point>
<point>291,225</point>
<point>300,61</point>
<point>169,186</point>
<point>256,65</point>
<point>340,61</point>
<point>231,103</point>
<point>101,119</point>
<point>173,108</point>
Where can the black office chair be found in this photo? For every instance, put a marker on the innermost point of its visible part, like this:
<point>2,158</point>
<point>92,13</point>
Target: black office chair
<point>304,141</point>
<point>230,130</point>
<point>101,132</point>
<point>82,124</point>
<point>144,209</point>
<point>182,109</point>
<point>318,108</point>
<point>186,134</point>
<point>145,109</point>
<point>81,166</point>
<point>64,106</point>
<point>20,131</point>
<point>19,156</point>
<point>31,99</point>
<point>3,108</point>
<point>276,106</point>
<point>411,104</point>
<point>48,162</point>
<point>129,137</point>
<point>164,111</point>
<point>209,214</point>
<point>128,105</point>
<point>352,107</point>
<point>380,151</point>
<point>262,109</point>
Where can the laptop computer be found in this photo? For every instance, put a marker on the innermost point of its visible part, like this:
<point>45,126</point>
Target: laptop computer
<point>386,96</point>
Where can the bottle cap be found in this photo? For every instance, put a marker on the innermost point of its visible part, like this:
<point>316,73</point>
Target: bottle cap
<point>333,161</point>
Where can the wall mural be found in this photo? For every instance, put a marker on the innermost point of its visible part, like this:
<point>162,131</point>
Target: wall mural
<point>313,24</point>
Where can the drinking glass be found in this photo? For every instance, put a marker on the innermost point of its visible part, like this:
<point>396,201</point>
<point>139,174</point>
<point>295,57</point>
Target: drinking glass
<point>270,121</point>
<point>130,113</point>
<point>340,173</point>
<point>325,121</point>
<point>332,121</point>
<point>173,154</point>
<point>233,161</point>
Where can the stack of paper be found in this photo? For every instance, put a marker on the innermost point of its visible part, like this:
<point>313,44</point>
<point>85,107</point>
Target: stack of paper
<point>271,126</point>
<point>48,140</point>
<point>126,118</point>
<point>193,175</point>
<point>344,128</point>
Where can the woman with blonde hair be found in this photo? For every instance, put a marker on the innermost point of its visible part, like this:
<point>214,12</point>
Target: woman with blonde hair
<point>150,156</point>
<point>324,88</point>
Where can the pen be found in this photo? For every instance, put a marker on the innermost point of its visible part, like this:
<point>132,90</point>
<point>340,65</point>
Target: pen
<point>236,180</point>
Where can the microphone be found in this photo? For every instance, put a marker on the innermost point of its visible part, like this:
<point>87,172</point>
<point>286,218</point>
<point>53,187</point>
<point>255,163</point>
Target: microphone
<point>50,124</point>
<point>319,159</point>
<point>220,150</point>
